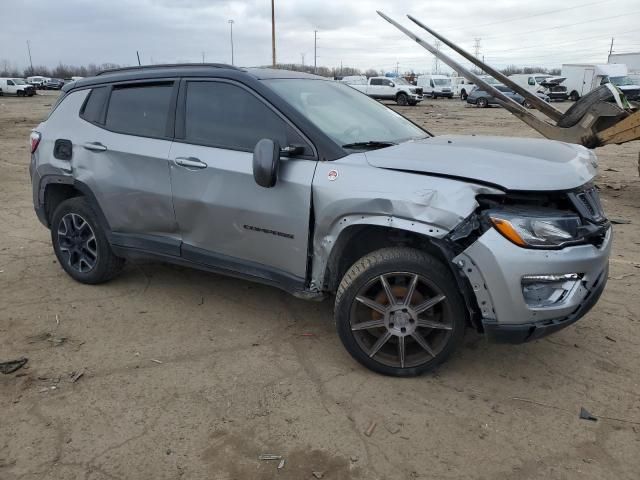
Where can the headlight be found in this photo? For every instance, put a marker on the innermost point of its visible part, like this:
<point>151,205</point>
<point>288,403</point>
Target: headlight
<point>536,229</point>
<point>413,90</point>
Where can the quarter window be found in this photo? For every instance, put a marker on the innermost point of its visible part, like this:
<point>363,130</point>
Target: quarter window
<point>94,105</point>
<point>227,116</point>
<point>141,110</point>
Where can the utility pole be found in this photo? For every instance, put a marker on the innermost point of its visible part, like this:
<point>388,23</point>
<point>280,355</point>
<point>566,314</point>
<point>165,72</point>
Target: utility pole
<point>273,33</point>
<point>437,60</point>
<point>302,55</point>
<point>202,57</point>
<point>138,55</point>
<point>611,48</point>
<point>30,61</point>
<point>315,51</point>
<point>231,25</point>
<point>397,69</point>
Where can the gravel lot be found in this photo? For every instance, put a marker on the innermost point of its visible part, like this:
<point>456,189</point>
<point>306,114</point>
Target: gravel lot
<point>192,375</point>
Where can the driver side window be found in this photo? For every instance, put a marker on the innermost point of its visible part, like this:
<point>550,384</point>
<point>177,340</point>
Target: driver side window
<point>10,82</point>
<point>224,115</point>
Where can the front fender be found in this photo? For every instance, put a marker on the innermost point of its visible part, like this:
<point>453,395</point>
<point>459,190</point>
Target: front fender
<point>349,192</point>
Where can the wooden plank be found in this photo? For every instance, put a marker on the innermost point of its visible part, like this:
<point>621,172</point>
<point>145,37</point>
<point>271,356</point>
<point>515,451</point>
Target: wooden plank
<point>626,130</point>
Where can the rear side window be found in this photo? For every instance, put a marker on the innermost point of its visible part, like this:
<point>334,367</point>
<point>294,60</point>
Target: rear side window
<point>227,116</point>
<point>376,81</point>
<point>94,105</point>
<point>141,110</point>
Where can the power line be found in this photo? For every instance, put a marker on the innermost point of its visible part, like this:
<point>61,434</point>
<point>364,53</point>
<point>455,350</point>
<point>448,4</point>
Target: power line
<point>513,19</point>
<point>566,25</point>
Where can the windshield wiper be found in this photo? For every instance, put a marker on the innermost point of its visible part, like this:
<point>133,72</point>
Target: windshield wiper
<point>369,144</point>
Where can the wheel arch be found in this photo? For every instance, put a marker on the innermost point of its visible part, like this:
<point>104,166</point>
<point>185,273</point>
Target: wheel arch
<point>356,241</point>
<point>55,189</point>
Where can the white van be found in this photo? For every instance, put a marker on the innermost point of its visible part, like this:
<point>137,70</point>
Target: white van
<point>436,86</point>
<point>16,86</point>
<point>550,85</point>
<point>461,87</point>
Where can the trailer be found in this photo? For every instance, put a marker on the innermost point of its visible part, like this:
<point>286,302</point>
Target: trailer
<point>631,60</point>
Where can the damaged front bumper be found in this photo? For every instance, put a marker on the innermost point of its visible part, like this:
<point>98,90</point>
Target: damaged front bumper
<point>524,294</point>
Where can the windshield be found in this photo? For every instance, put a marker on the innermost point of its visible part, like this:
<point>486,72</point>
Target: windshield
<point>442,82</point>
<point>343,113</point>
<point>621,81</point>
<point>19,81</point>
<point>542,79</point>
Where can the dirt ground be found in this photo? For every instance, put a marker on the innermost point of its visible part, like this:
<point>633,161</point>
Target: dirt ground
<point>189,375</point>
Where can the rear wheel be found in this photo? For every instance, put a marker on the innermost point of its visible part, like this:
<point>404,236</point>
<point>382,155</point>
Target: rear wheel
<point>463,95</point>
<point>574,96</point>
<point>398,312</point>
<point>80,243</point>
<point>482,102</point>
<point>402,99</point>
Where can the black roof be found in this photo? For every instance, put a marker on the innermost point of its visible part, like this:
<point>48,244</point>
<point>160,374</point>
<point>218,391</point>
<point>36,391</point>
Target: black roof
<point>185,70</point>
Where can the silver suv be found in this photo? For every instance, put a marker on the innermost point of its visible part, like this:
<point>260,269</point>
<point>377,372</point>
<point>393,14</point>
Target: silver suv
<point>310,186</point>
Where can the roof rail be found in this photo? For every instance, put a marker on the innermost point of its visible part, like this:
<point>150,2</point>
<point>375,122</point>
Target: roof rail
<point>167,65</point>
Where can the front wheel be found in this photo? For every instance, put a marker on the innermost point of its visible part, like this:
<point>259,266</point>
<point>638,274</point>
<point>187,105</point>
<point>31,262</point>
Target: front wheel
<point>574,96</point>
<point>482,102</point>
<point>399,312</point>
<point>402,99</point>
<point>81,244</point>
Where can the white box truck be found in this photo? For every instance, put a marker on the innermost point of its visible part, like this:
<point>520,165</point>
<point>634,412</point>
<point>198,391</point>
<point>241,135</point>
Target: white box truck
<point>583,78</point>
<point>631,60</point>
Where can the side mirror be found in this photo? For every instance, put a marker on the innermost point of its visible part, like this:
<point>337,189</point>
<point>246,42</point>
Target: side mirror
<point>266,159</point>
<point>392,84</point>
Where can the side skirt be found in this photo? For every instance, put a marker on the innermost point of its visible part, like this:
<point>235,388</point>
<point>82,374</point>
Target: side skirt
<point>204,260</point>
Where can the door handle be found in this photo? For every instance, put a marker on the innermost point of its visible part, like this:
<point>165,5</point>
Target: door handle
<point>190,162</point>
<point>94,146</point>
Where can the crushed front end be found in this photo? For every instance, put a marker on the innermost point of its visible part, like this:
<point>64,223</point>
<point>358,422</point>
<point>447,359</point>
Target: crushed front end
<point>535,261</point>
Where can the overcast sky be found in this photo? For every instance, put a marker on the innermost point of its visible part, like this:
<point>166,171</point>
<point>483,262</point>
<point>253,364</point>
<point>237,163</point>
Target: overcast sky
<point>541,32</point>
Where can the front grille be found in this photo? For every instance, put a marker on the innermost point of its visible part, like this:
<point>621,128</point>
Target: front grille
<point>559,88</point>
<point>587,202</point>
<point>419,91</point>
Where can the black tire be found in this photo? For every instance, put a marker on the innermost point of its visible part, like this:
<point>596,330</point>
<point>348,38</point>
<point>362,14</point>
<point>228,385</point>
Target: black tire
<point>72,251</point>
<point>20,93</point>
<point>482,102</point>
<point>574,96</point>
<point>402,99</point>
<point>433,95</point>
<point>438,286</point>
<point>463,95</point>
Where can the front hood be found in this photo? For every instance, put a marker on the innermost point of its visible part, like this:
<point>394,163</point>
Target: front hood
<point>511,163</point>
<point>552,81</point>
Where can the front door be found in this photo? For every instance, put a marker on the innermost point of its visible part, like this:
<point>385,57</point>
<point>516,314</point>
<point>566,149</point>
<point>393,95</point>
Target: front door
<point>225,218</point>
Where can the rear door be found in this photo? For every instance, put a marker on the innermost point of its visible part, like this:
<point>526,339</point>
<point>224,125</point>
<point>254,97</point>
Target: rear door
<point>587,81</point>
<point>225,218</point>
<point>123,158</point>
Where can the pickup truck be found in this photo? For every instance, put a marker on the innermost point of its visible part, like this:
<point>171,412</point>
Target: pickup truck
<point>384,88</point>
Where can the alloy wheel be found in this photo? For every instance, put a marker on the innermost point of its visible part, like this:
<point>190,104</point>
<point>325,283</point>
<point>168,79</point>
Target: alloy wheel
<point>401,319</point>
<point>77,243</point>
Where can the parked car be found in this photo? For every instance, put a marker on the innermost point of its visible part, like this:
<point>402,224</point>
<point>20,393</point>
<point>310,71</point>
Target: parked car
<point>544,83</point>
<point>461,87</point>
<point>384,88</point>
<point>54,84</point>
<point>483,99</point>
<point>307,185</point>
<point>628,85</point>
<point>436,86</point>
<point>16,86</point>
<point>37,81</point>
